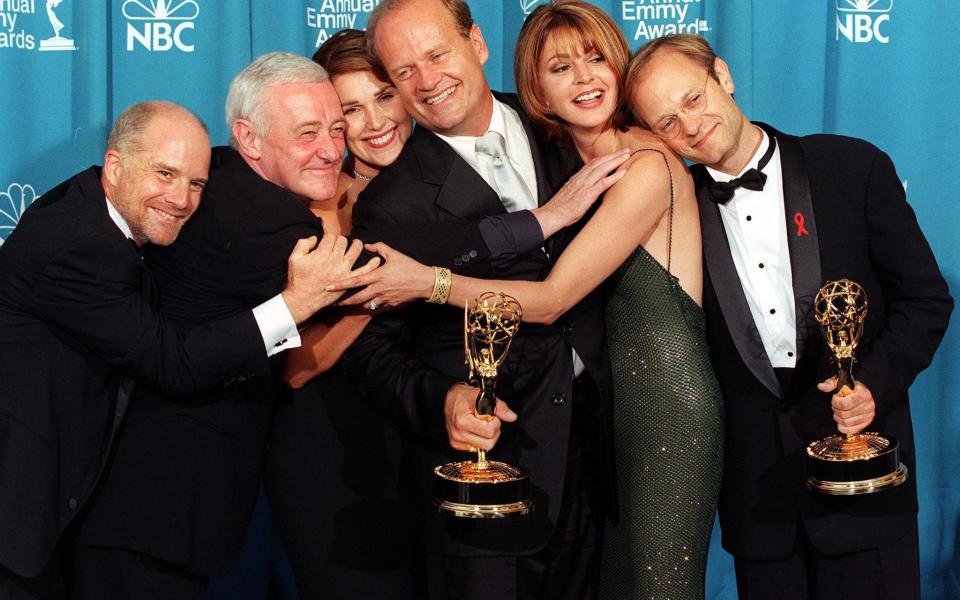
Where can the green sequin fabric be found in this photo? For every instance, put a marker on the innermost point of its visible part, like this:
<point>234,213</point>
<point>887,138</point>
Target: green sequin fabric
<point>668,432</point>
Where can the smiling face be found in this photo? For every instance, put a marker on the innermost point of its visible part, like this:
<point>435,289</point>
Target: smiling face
<point>156,184</point>
<point>720,137</point>
<point>438,72</point>
<point>377,123</point>
<point>577,82</point>
<point>302,149</point>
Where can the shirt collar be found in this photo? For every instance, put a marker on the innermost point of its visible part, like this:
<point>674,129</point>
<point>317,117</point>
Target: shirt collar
<point>118,220</point>
<point>497,123</point>
<point>751,164</point>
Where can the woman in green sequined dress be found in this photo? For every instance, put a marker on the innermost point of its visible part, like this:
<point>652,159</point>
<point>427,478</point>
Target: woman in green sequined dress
<point>668,413</point>
<point>571,62</point>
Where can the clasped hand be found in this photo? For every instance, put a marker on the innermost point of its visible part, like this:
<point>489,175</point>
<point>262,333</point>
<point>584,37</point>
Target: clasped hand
<point>465,428</point>
<point>313,265</point>
<point>853,409</point>
<point>401,279</point>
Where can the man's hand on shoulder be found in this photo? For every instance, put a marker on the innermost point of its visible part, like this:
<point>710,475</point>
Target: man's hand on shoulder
<point>578,194</point>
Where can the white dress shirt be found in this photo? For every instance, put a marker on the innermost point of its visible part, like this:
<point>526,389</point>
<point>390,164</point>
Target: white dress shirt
<point>507,123</point>
<point>756,227</point>
<point>276,324</point>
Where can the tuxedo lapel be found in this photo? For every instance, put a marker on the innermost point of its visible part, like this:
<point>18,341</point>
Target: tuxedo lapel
<point>463,193</point>
<point>802,239</point>
<point>547,173</point>
<point>729,291</point>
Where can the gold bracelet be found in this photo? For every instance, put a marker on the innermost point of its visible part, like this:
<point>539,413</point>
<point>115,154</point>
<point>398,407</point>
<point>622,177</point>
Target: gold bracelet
<point>442,281</point>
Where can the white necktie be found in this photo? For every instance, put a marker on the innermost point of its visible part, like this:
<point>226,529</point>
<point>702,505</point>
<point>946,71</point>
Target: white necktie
<point>501,175</point>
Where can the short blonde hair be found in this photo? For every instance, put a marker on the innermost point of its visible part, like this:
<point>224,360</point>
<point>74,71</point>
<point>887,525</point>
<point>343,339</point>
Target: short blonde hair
<point>694,47</point>
<point>127,131</point>
<point>458,9</point>
<point>583,24</point>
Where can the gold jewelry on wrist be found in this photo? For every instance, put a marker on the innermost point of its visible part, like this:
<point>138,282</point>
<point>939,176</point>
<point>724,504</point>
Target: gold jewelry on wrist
<point>442,281</point>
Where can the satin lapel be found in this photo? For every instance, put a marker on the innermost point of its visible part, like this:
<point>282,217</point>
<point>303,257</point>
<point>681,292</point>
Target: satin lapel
<point>802,237</point>
<point>733,303</point>
<point>92,190</point>
<point>463,193</point>
<point>544,192</point>
<point>148,287</point>
<point>547,175</point>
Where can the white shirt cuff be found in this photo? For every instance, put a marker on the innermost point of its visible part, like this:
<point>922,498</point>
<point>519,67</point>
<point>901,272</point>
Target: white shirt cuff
<point>277,327</point>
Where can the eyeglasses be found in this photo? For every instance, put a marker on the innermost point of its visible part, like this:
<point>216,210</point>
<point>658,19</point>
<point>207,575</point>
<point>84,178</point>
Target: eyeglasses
<point>669,127</point>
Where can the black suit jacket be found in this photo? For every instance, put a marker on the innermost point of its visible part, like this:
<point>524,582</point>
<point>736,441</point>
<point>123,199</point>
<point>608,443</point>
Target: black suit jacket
<point>409,358</point>
<point>856,224</point>
<point>185,477</point>
<point>75,316</point>
<point>186,474</point>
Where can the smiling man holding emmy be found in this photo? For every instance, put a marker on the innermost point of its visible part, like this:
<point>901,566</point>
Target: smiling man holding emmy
<point>781,215</point>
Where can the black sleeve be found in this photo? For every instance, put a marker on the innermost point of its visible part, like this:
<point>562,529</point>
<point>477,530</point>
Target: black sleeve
<point>510,235</point>
<point>94,293</point>
<point>917,301</point>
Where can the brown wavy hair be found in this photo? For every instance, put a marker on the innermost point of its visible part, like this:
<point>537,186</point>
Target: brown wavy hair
<point>581,24</point>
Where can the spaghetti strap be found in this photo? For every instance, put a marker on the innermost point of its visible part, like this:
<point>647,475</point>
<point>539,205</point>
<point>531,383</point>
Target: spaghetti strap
<point>670,214</point>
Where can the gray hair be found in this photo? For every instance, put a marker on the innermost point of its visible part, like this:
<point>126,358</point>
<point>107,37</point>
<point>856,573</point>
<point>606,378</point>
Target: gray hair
<point>245,98</point>
<point>127,131</point>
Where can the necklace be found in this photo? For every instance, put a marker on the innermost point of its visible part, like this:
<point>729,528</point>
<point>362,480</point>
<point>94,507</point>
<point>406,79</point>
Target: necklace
<point>360,175</point>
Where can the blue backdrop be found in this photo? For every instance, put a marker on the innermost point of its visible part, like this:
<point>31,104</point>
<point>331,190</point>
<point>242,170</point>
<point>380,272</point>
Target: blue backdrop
<point>877,69</point>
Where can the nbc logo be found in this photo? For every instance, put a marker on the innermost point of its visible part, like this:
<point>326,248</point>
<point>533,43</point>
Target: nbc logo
<point>159,25</point>
<point>860,21</point>
<point>13,202</point>
<point>527,6</point>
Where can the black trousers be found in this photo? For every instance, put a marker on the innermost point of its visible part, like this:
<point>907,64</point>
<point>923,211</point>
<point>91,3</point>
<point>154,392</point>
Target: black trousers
<point>334,478</point>
<point>118,574</point>
<point>566,569</point>
<point>890,572</point>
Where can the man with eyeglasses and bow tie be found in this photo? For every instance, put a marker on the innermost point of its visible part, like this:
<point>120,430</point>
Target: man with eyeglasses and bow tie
<point>780,215</point>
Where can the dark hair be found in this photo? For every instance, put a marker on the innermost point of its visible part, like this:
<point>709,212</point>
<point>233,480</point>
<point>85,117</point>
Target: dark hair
<point>346,52</point>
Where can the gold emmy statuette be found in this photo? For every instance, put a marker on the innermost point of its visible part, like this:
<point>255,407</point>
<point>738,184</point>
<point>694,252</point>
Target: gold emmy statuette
<point>849,464</point>
<point>485,488</point>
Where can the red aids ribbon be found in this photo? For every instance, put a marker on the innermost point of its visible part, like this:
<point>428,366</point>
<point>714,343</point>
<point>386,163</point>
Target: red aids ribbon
<point>799,220</point>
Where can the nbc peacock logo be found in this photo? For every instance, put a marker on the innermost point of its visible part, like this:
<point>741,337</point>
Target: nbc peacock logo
<point>13,201</point>
<point>527,6</point>
<point>863,21</point>
<point>160,25</point>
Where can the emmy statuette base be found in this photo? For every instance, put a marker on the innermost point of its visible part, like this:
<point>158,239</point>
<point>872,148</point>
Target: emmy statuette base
<point>57,43</point>
<point>864,463</point>
<point>491,491</point>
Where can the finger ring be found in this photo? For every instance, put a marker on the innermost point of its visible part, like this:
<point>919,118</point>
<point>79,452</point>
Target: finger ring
<point>372,304</point>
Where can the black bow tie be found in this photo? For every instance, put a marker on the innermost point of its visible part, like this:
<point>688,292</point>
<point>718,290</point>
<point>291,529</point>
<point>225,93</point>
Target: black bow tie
<point>752,179</point>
